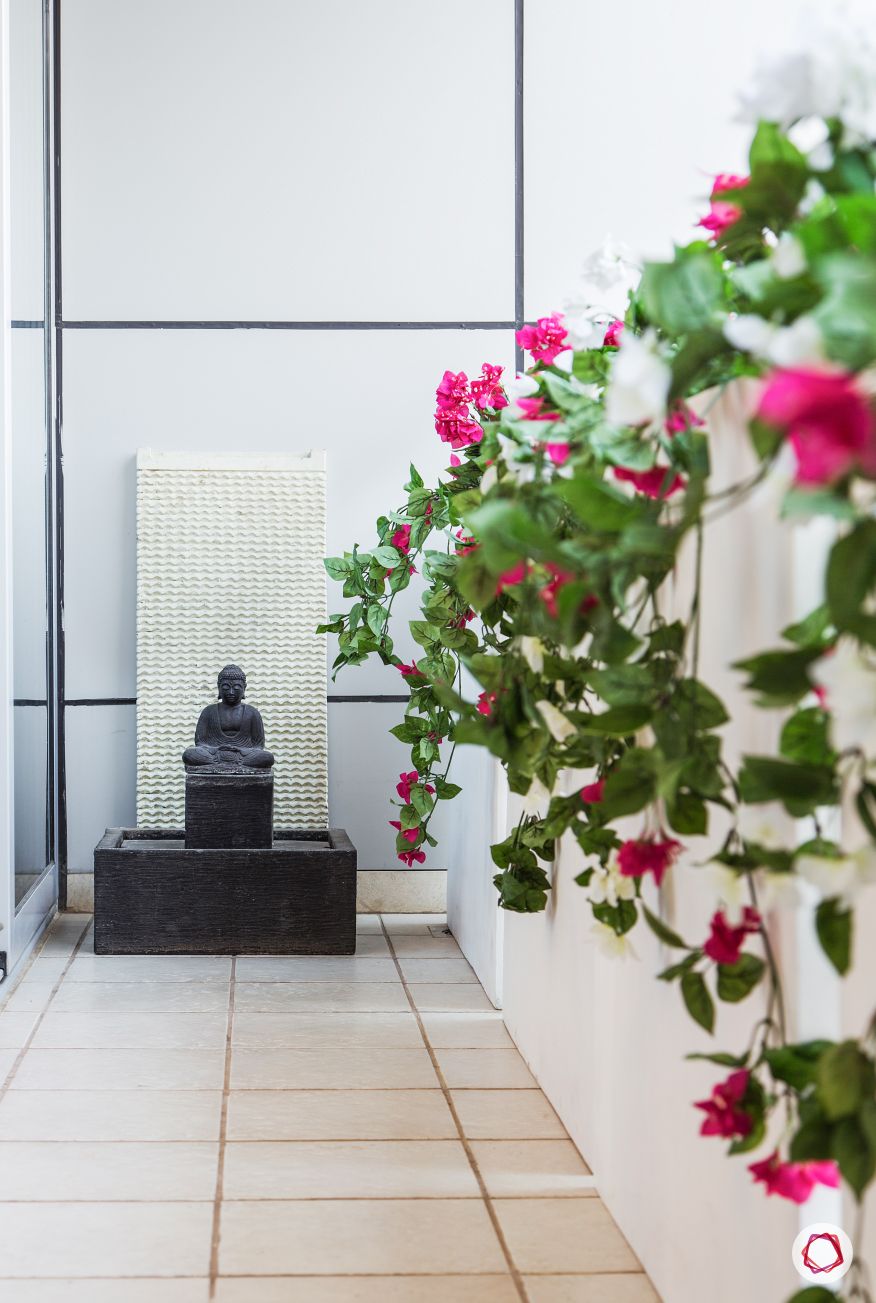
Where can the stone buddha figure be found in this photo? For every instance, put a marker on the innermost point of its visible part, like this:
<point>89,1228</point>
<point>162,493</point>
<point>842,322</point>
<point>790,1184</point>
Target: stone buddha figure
<point>230,733</point>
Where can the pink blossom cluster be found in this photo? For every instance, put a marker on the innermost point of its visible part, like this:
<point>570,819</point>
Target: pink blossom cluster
<point>650,854</point>
<point>726,940</point>
<point>828,419</point>
<point>546,339</point>
<point>722,214</point>
<point>403,787</point>
<point>455,394</point>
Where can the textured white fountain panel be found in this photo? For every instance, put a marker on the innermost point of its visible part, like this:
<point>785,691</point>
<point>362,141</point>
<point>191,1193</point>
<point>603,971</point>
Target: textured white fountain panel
<point>230,569</point>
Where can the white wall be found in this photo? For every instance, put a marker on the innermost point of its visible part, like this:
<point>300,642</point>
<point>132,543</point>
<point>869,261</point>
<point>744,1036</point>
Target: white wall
<point>280,162</point>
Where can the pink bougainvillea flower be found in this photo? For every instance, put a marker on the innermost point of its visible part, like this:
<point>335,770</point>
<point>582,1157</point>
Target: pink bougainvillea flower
<point>724,1117</point>
<point>545,339</point>
<point>410,858</point>
<point>794,1181</point>
<point>454,460</point>
<point>406,782</point>
<point>409,834</point>
<point>722,214</point>
<point>453,391</point>
<point>465,618</point>
<point>509,578</point>
<point>651,482</point>
<point>593,793</point>
<point>828,419</point>
<point>487,390</point>
<point>456,427</point>
<point>409,671</point>
<point>558,452</point>
<point>465,543</point>
<point>648,855</point>
<point>725,941</point>
<point>486,702</point>
<point>402,538</point>
<point>681,418</point>
<point>613,335</point>
<point>550,591</point>
<point>533,410</point>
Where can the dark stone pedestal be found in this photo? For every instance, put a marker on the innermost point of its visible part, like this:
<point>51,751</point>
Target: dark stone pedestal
<point>228,808</point>
<point>155,895</point>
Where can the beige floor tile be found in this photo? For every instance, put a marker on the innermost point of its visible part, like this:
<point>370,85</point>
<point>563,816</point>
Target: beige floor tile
<point>148,968</point>
<point>484,1069</point>
<point>152,1290</point>
<point>7,1058</point>
<point>448,995</point>
<point>28,997</point>
<point>376,997</point>
<point>46,969</point>
<point>72,1171</point>
<point>316,968</point>
<point>465,1030</point>
<point>359,1169</point>
<point>437,970</point>
<point>106,1239</point>
<point>142,997</point>
<point>563,1235</point>
<point>366,1289</point>
<point>130,1115</point>
<point>368,923</point>
<point>507,1115</point>
<point>533,1167</point>
<point>329,1069</point>
<point>131,1031</point>
<point>15,1029</point>
<point>311,1030</point>
<point>82,1069</point>
<point>330,1237</point>
<point>412,924</point>
<point>338,1115</point>
<point>617,1288</point>
<point>425,946</point>
<point>371,944</point>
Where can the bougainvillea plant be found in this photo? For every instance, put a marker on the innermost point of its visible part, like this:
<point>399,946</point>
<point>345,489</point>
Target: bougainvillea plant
<point>544,548</point>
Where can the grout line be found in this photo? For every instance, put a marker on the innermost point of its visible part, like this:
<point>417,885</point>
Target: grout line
<point>7,1083</point>
<point>469,1152</point>
<point>223,1132</point>
<point>116,324</point>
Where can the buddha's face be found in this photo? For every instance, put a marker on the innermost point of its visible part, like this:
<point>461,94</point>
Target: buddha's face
<point>231,691</point>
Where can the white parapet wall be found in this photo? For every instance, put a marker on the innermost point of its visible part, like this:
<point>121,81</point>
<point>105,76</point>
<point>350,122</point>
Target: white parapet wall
<point>230,554</point>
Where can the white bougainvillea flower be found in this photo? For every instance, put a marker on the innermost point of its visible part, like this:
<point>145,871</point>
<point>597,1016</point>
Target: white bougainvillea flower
<point>532,651</point>
<point>788,258</point>
<point>608,885</point>
<point>557,725</point>
<point>731,889</point>
<point>847,678</point>
<point>842,878</point>
<point>522,386</point>
<point>639,383</point>
<point>586,325</point>
<point>612,945</point>
<point>784,346</point>
<point>537,798</point>
<point>611,265</point>
<point>490,478</point>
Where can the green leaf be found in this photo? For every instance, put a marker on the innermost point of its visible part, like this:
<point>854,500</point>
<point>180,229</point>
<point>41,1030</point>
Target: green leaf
<point>619,721</point>
<point>853,1152</point>
<point>813,1294</point>
<point>597,504</point>
<point>697,706</point>
<point>697,1000</point>
<point>846,315</point>
<point>833,924</point>
<point>687,814</point>
<point>801,788</point>
<point>813,628</point>
<point>676,970</point>
<point>805,737</point>
<point>812,1141</point>
<point>337,567</point>
<point>844,1078</point>
<point>781,677</point>
<point>796,1064</point>
<point>660,929</point>
<point>682,295</point>
<point>388,557</point>
<point>376,619</point>
<point>446,791</point>
<point>851,577</point>
<point>735,981</point>
<point>723,1060</point>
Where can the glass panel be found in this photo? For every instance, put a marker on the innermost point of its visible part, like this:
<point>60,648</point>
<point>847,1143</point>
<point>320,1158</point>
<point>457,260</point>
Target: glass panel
<point>29,443</point>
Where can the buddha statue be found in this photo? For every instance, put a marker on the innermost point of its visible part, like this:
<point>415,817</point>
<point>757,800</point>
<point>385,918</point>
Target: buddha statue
<point>230,733</point>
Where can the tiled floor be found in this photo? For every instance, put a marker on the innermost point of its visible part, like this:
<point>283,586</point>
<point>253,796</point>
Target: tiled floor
<point>278,1130</point>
